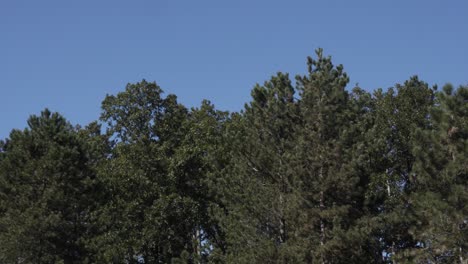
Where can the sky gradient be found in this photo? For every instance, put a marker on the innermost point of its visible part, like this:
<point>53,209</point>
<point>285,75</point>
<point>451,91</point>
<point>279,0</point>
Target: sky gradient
<point>67,55</point>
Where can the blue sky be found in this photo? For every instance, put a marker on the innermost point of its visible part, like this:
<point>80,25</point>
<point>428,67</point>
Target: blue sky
<point>67,55</point>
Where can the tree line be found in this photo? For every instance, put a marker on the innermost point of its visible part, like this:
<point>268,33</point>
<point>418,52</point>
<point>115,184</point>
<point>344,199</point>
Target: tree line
<point>308,172</point>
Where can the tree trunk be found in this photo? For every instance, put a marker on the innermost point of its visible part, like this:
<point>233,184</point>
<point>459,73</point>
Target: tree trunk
<point>197,245</point>
<point>462,261</point>
<point>322,207</point>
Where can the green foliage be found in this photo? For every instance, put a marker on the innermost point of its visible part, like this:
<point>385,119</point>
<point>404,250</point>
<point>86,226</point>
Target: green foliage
<point>158,178</point>
<point>398,114</point>
<point>324,155</point>
<point>261,193</point>
<point>441,175</point>
<point>48,190</point>
<point>306,173</point>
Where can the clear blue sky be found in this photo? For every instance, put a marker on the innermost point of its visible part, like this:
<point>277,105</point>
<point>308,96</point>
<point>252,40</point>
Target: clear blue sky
<point>67,55</point>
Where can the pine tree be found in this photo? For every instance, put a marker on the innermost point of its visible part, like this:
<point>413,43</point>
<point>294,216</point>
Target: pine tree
<point>328,187</point>
<point>441,179</point>
<point>47,191</point>
<point>361,238</point>
<point>398,114</point>
<point>262,188</point>
<point>200,161</point>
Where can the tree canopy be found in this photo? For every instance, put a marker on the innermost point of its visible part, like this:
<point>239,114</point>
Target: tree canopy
<point>310,171</point>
